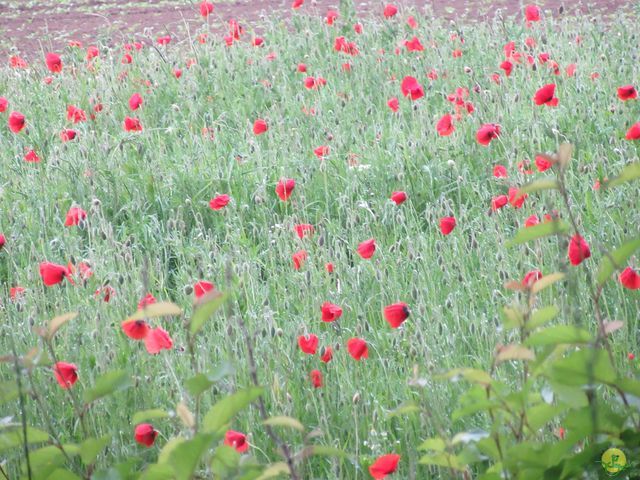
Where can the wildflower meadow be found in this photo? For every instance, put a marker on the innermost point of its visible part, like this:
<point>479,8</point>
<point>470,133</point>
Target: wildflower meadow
<point>333,247</point>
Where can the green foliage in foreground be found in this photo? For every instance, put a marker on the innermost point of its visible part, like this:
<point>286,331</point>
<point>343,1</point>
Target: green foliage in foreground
<point>487,378</point>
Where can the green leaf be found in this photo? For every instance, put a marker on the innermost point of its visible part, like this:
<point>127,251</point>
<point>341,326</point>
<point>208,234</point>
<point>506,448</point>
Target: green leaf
<point>628,173</point>
<point>283,421</point>
<point>187,456</point>
<point>206,307</point>
<point>274,470</point>
<point>198,384</point>
<point>169,447</point>
<point>526,234</point>
<point>470,374</point>
<point>514,352</point>
<point>546,281</point>
<point>91,448</point>
<point>443,459</point>
<point>12,437</point>
<point>225,460</point>
<point>44,461</point>
<point>223,411</point>
<point>62,474</point>
<point>616,259</point>
<point>541,414</point>
<point>107,384</point>
<point>557,335</point>
<point>158,472</point>
<point>542,316</point>
<point>146,415</point>
<point>549,183</point>
<point>57,322</point>
<point>160,309</point>
<point>436,444</point>
<point>512,318</point>
<point>583,367</point>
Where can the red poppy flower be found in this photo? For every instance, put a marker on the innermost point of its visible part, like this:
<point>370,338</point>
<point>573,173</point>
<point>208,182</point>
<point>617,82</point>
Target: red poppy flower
<point>507,66</point>
<point>395,314</point>
<point>411,21</point>
<point>410,86</point>
<point>447,224</point>
<point>4,103</point>
<point>16,122</point>
<point>316,378</point>
<point>92,52</point>
<point>329,267</point>
<point>16,292</point>
<point>260,126</point>
<point>532,13</point>
<point>384,465</point>
<point>628,92</point>
<point>148,299</point>
<point>327,355</point>
<point>202,287</point>
<point>236,440</point>
<point>308,344</point>
<point>632,134</point>
<point>310,83</point>
<point>156,340</point>
<point>390,10</point>
<point>145,434</point>
<point>516,202</point>
<point>164,40</point>
<point>52,274</point>
<point>357,27</point>
<point>177,72</point>
<point>393,104</point>
<point>578,250</point>
<point>219,202</point>
<point>135,329</point>
<point>303,230</point>
<point>457,53</point>
<point>297,4</point>
<point>132,124</point>
<point>302,68</point>
<point>367,248</point>
<point>206,8</point>
<point>499,202</point>
<point>630,279</point>
<point>545,96</point>
<point>67,135</point>
<point>106,292</point>
<point>3,241</point>
<point>135,101</point>
<point>445,126</point>
<point>75,114</point>
<point>284,188</point>
<point>542,164</point>
<point>398,197</point>
<point>16,62</point>
<point>74,215</point>
<point>531,221</point>
<point>54,62</point>
<point>235,29</point>
<point>321,151</point>
<point>500,171</point>
<point>487,132</point>
<point>257,41</point>
<point>31,156</point>
<point>299,258</point>
<point>332,16</point>
<point>66,374</point>
<point>571,69</point>
<point>531,277</point>
<point>357,348</point>
<point>330,312</point>
<point>414,45</point>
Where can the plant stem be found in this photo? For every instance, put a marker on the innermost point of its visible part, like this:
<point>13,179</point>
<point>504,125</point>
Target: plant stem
<point>23,411</point>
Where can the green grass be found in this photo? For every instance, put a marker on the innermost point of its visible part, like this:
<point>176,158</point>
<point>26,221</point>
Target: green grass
<point>150,228</point>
